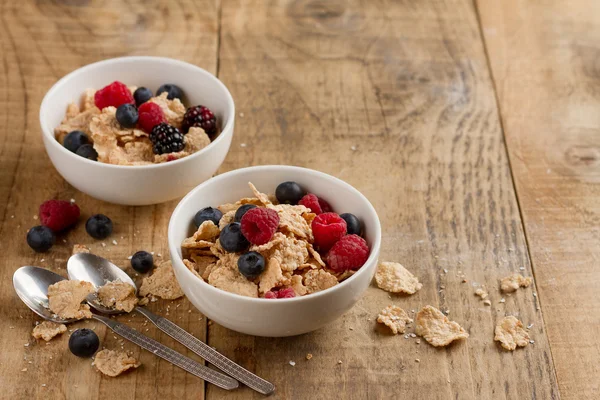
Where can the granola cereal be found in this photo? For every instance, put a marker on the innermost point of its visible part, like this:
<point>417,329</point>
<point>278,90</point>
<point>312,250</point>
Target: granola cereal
<point>65,298</point>
<point>510,333</point>
<point>394,278</point>
<point>118,295</point>
<point>162,283</point>
<point>114,363</point>
<point>512,282</point>
<point>436,328</point>
<point>47,330</point>
<point>395,318</point>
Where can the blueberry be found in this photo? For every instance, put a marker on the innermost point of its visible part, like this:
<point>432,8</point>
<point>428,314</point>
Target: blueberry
<point>40,238</point>
<point>232,240</point>
<point>99,226</point>
<point>142,95</point>
<point>87,151</point>
<point>173,91</point>
<point>207,214</point>
<point>251,264</point>
<point>289,193</point>
<point>352,224</point>
<point>75,140</point>
<point>242,210</point>
<point>84,342</point>
<point>142,262</point>
<point>127,115</point>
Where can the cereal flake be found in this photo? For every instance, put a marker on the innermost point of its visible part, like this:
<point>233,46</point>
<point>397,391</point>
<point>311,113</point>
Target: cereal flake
<point>118,295</point>
<point>510,333</point>
<point>114,363</point>
<point>316,280</point>
<point>65,297</point>
<point>394,278</point>
<point>48,330</point>
<point>79,248</point>
<point>436,328</point>
<point>395,318</point>
<point>513,282</point>
<point>162,283</point>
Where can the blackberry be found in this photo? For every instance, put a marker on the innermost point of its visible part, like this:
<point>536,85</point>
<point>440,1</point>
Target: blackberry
<point>166,139</point>
<point>201,117</point>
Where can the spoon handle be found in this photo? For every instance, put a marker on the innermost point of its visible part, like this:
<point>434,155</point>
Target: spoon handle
<point>208,353</point>
<point>191,366</point>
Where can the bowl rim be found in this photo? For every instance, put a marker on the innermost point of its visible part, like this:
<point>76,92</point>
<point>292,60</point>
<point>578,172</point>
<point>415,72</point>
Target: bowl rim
<point>174,247</point>
<point>226,130</point>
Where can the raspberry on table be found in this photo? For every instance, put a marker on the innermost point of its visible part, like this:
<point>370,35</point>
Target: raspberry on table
<point>58,215</point>
<point>202,117</point>
<point>149,115</point>
<point>327,229</point>
<point>113,95</point>
<point>166,139</point>
<point>259,225</point>
<point>316,204</point>
<point>350,252</point>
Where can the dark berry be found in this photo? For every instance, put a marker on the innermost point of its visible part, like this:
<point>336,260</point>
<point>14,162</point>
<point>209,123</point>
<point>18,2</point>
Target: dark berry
<point>232,239</point>
<point>173,91</point>
<point>114,95</point>
<point>202,117</point>
<point>99,226</point>
<point>289,193</point>
<point>87,151</point>
<point>352,224</point>
<point>74,140</point>
<point>207,214</point>
<point>242,210</point>
<point>40,238</point>
<point>84,342</point>
<point>150,115</point>
<point>166,139</point>
<point>142,262</point>
<point>251,264</point>
<point>142,95</point>
<point>127,115</point>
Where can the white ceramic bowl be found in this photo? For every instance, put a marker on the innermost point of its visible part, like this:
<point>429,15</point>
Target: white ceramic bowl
<point>138,185</point>
<point>273,317</point>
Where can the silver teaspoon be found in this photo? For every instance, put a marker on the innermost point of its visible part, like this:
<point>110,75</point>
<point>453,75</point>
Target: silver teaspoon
<point>99,271</point>
<point>31,285</point>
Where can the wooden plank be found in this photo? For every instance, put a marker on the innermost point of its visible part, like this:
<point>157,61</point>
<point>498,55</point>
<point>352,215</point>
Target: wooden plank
<point>396,99</point>
<point>42,41</point>
<point>544,61</point>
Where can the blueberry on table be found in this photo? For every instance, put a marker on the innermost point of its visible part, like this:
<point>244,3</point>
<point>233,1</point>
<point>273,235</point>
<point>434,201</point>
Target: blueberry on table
<point>289,193</point>
<point>40,238</point>
<point>127,115</point>
<point>142,262</point>
<point>84,342</point>
<point>142,95</point>
<point>74,140</point>
<point>251,264</point>
<point>242,210</point>
<point>99,226</point>
<point>87,151</point>
<point>352,224</point>
<point>207,214</point>
<point>173,91</point>
<point>232,239</point>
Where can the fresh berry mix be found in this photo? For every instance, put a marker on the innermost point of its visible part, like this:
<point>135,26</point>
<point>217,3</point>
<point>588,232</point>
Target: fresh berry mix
<point>150,115</point>
<point>87,151</point>
<point>142,262</point>
<point>166,139</point>
<point>142,95</point>
<point>352,224</point>
<point>316,205</point>
<point>259,225</point>
<point>40,238</point>
<point>127,115</point>
<point>349,253</point>
<point>74,140</point>
<point>173,91</point>
<point>242,210</point>
<point>289,193</point>
<point>114,95</point>
<point>202,117</point>
<point>99,226</point>
<point>251,264</point>
<point>328,228</point>
<point>58,215</point>
<point>286,293</point>
<point>207,214</point>
<point>84,343</point>
<point>232,239</point>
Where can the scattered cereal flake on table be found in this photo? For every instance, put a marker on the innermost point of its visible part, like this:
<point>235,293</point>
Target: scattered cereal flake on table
<point>510,333</point>
<point>65,297</point>
<point>79,248</point>
<point>487,303</point>
<point>118,295</point>
<point>114,242</point>
<point>114,363</point>
<point>513,282</point>
<point>24,370</point>
<point>309,356</point>
<point>317,280</point>
<point>103,244</point>
<point>481,293</point>
<point>393,277</point>
<point>529,326</point>
<point>162,283</point>
<point>35,217</point>
<point>292,363</point>
<point>48,330</point>
<point>242,144</point>
<point>395,318</point>
<point>502,300</point>
<point>436,328</point>
<point>417,360</point>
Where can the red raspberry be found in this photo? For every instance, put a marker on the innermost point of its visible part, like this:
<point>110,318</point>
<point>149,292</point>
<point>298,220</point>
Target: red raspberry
<point>328,228</point>
<point>316,204</point>
<point>259,225</point>
<point>286,293</point>
<point>270,295</point>
<point>150,115</point>
<point>114,95</point>
<point>58,215</point>
<point>350,252</point>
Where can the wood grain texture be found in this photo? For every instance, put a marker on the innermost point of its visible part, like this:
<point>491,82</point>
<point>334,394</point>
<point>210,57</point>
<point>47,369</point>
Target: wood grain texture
<point>406,85</point>
<point>41,42</point>
<point>544,60</point>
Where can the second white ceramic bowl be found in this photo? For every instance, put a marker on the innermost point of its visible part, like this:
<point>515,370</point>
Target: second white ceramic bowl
<point>139,185</point>
<point>273,317</point>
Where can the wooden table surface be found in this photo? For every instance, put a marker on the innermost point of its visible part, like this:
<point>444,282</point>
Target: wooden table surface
<point>472,126</point>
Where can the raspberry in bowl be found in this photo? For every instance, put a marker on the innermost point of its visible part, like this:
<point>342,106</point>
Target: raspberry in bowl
<point>268,274</point>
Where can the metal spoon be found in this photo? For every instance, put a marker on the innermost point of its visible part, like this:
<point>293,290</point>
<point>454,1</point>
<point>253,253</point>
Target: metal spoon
<point>31,285</point>
<point>99,271</point>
